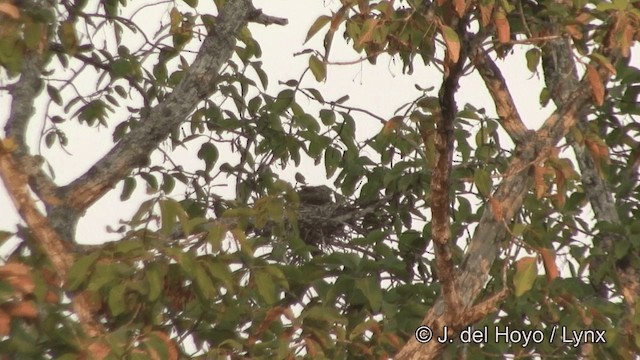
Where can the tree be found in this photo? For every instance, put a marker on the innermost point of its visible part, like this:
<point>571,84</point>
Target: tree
<point>433,229</point>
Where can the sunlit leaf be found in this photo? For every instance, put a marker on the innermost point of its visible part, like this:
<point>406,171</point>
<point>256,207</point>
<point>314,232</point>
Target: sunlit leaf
<point>525,276</point>
<point>318,68</point>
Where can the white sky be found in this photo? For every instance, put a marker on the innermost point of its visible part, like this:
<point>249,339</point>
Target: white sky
<point>380,89</point>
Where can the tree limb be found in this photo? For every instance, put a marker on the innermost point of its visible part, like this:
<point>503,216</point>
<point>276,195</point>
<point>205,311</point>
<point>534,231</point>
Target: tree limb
<point>561,79</point>
<point>53,245</point>
<point>198,84</point>
<point>507,199</point>
<point>497,86</point>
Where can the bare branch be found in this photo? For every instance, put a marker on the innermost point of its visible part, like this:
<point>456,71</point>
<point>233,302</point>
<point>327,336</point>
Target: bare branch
<point>258,17</point>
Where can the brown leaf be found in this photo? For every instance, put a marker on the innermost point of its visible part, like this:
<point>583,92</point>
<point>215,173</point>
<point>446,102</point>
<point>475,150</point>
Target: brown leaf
<point>485,13</point>
<point>460,7</point>
<point>172,349</point>
<point>593,148</point>
<point>560,180</point>
<point>597,87</point>
<point>391,125</point>
<point>368,28</point>
<point>524,262</point>
<point>538,178</point>
<point>627,40</point>
<point>10,10</point>
<point>602,60</point>
<point>574,31</point>
<point>312,347</point>
<point>24,284</point>
<point>549,262</point>
<point>98,351</point>
<point>5,323</point>
<point>23,309</point>
<point>51,297</point>
<point>14,269</point>
<point>502,27</point>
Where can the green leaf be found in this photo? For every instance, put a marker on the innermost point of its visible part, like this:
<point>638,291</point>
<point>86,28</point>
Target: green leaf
<point>370,287</point>
<point>127,188</point>
<point>116,301</point>
<point>32,34</point>
<point>277,275</point>
<point>316,95</point>
<point>68,38</point>
<point>309,122</point>
<point>266,287</point>
<point>318,24</point>
<point>203,282</point>
<point>284,100</point>
<point>328,117</point>
<point>156,347</point>
<point>155,279</point>
<point>49,139</point>
<point>80,272</point>
<point>332,157</point>
<point>54,94</point>
<point>318,68</point>
<point>221,272</point>
<point>545,96</point>
<point>209,153</point>
<point>533,59</point>
<point>192,3</point>
<point>151,181</point>
<point>168,183</point>
<point>483,181</point>
<point>525,276</point>
<point>452,41</point>
<point>121,68</point>
<point>264,79</point>
<point>168,213</point>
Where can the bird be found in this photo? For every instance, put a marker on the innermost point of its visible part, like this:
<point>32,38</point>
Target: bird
<point>315,195</point>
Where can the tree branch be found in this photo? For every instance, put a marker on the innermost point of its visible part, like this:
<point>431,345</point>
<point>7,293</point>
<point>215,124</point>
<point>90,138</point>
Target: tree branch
<point>198,84</point>
<point>440,202</point>
<point>23,94</point>
<point>486,241</point>
<point>505,107</point>
<point>562,80</point>
<point>53,245</point>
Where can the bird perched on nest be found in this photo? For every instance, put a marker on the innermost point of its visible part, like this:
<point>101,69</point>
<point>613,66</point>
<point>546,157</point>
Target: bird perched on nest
<point>315,195</point>
<point>316,212</point>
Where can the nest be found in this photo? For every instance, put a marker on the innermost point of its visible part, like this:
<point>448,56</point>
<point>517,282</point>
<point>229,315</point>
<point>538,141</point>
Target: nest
<point>321,225</point>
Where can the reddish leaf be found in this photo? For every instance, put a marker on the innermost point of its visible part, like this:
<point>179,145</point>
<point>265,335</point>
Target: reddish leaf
<point>549,262</point>
<point>597,87</point>
<point>502,27</point>
<point>10,10</point>
<point>460,7</point>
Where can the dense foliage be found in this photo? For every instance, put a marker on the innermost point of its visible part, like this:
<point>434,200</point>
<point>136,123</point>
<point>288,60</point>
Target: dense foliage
<point>450,215</point>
